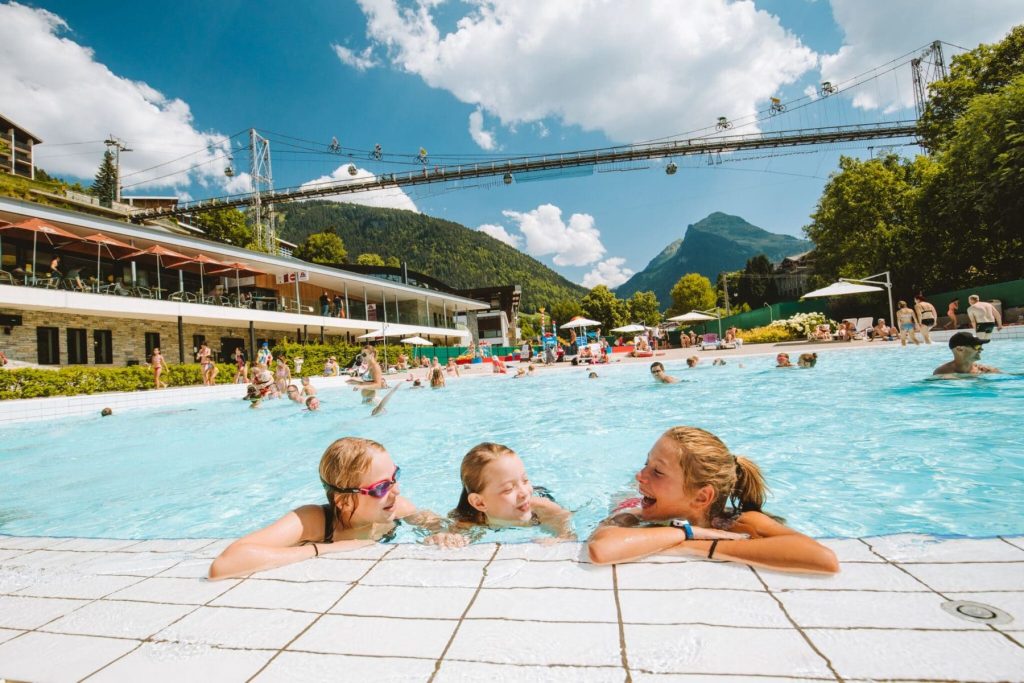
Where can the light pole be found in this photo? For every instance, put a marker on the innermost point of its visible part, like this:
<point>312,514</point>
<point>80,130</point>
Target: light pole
<point>771,312</point>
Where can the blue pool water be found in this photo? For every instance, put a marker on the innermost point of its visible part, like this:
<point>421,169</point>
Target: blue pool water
<point>860,445</point>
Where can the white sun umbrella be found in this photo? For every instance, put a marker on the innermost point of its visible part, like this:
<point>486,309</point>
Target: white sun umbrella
<point>579,322</point>
<point>697,317</point>
<point>840,289</point>
<point>629,328</point>
<point>417,341</point>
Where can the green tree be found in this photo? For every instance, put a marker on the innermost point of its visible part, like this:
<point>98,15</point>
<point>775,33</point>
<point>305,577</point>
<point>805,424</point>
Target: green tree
<point>756,284</point>
<point>370,260</point>
<point>393,262</point>
<point>972,209</point>
<point>565,310</point>
<point>104,186</point>
<point>643,307</point>
<point>866,221</point>
<point>322,247</point>
<point>602,305</point>
<point>228,226</point>
<point>693,292</point>
<point>982,71</point>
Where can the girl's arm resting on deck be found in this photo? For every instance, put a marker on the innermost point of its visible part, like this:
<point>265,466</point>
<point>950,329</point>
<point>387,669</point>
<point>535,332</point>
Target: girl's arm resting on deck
<point>773,545</point>
<point>278,544</point>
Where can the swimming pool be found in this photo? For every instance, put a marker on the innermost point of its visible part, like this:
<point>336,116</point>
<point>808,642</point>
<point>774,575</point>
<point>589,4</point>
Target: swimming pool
<point>859,445</point>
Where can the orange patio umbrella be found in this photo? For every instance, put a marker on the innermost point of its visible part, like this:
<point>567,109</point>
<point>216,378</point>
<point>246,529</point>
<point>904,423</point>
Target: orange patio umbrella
<point>101,240</point>
<point>239,268</point>
<point>37,227</point>
<point>201,259</point>
<point>158,251</point>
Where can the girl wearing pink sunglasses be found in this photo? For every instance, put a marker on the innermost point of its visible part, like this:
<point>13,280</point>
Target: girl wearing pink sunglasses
<point>364,506</point>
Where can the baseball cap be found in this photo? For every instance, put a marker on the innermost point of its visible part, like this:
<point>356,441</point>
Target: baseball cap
<point>965,339</point>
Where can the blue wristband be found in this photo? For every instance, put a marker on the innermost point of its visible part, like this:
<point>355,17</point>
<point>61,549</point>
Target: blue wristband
<point>683,524</point>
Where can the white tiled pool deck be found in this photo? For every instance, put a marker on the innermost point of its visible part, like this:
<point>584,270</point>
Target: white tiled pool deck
<point>108,610</point>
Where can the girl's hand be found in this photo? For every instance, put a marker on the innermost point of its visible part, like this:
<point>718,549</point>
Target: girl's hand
<point>447,539</point>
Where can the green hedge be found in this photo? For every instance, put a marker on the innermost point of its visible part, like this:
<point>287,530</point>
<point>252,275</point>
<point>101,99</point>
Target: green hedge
<point>83,379</point>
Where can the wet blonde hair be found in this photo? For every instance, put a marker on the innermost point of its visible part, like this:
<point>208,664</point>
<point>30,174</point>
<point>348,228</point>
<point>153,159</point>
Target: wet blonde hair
<point>705,461</point>
<point>342,466</point>
<point>472,474</point>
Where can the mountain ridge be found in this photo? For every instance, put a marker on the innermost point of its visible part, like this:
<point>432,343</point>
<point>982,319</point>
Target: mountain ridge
<point>717,243</point>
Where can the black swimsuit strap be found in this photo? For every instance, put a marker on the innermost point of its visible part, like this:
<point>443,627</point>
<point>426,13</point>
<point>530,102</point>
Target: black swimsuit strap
<point>328,523</point>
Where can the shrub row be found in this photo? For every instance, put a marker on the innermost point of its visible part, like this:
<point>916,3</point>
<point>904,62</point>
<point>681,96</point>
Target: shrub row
<point>75,380</point>
<point>768,335</point>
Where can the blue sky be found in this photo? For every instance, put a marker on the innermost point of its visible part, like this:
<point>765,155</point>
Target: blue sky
<point>467,80</point>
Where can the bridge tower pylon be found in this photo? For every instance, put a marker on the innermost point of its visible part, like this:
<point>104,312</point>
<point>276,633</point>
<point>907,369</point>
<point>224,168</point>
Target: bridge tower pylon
<point>927,68</point>
<point>262,178</point>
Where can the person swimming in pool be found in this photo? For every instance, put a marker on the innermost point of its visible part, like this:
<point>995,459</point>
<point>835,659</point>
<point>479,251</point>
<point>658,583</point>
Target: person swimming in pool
<point>496,492</point>
<point>966,350</point>
<point>782,361</point>
<point>658,373</point>
<point>364,506</point>
<point>687,484</point>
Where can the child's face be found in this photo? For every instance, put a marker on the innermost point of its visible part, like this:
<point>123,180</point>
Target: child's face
<point>507,495</point>
<point>660,483</point>
<point>372,510</point>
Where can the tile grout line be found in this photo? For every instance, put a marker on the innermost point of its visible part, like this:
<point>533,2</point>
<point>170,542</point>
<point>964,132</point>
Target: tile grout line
<point>622,628</point>
<point>799,629</point>
<point>149,638</point>
<point>462,617</point>
<point>348,590</point>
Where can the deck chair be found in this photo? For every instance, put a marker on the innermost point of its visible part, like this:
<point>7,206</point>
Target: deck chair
<point>864,326</point>
<point>709,340</point>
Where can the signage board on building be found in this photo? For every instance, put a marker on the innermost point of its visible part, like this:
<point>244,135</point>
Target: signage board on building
<point>289,278</point>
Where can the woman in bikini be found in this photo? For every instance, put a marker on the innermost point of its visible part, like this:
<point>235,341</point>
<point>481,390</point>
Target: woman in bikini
<point>906,320</point>
<point>927,315</point>
<point>242,371</point>
<point>363,507</point>
<point>156,361</point>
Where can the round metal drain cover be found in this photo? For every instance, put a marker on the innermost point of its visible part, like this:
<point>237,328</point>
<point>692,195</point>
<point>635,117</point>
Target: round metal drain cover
<point>977,612</point>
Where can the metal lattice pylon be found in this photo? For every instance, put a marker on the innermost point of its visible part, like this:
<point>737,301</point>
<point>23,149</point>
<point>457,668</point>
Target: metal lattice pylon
<point>928,67</point>
<point>262,178</point>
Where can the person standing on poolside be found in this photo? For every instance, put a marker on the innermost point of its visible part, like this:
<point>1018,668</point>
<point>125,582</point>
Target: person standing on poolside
<point>658,372</point>
<point>686,484</point>
<point>157,363</point>
<point>984,317</point>
<point>966,350</point>
<point>206,364</point>
<point>906,319</point>
<point>951,311</point>
<point>263,356</point>
<point>241,370</point>
<point>926,315</point>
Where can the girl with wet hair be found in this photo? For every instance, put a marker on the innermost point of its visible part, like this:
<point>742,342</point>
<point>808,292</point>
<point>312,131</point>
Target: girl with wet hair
<point>700,499</point>
<point>496,492</point>
<point>364,506</point>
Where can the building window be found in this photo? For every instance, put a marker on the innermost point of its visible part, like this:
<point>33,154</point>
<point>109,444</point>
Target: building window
<point>77,352</point>
<point>48,341</point>
<point>152,342</point>
<point>102,347</point>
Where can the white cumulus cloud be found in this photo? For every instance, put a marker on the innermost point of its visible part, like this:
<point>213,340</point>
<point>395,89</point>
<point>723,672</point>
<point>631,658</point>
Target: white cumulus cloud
<point>876,32</point>
<point>359,61</point>
<point>633,71</point>
<point>484,138</point>
<point>389,198</point>
<point>55,88</point>
<point>499,233</point>
<point>576,243</point>
<point>609,272</point>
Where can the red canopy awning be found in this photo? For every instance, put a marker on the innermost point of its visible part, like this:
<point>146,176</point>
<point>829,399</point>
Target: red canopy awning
<point>39,227</point>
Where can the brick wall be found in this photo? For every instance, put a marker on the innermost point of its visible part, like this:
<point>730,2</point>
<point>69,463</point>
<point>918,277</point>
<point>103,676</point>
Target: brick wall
<point>128,336</point>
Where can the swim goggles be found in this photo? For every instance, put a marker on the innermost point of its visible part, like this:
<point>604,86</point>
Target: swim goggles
<point>376,490</point>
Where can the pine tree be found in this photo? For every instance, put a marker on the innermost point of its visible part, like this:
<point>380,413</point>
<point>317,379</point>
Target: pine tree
<point>104,186</point>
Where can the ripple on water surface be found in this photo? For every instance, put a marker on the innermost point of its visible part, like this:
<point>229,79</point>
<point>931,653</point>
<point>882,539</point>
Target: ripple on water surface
<point>859,445</point>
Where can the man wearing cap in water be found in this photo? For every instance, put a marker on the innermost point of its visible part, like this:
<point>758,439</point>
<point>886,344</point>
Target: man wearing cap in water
<point>966,350</point>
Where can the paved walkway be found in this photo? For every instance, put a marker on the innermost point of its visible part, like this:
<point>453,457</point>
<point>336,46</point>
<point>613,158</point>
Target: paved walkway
<point>104,610</point>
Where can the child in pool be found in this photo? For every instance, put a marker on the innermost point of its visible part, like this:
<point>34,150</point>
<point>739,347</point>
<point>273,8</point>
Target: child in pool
<point>496,492</point>
<point>686,482</point>
<point>363,507</point>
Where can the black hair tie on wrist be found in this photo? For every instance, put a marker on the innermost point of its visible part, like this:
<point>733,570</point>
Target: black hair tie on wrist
<point>711,550</point>
<point>316,551</point>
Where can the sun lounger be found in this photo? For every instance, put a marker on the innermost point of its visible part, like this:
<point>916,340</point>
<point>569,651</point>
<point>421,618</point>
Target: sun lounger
<point>709,341</point>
